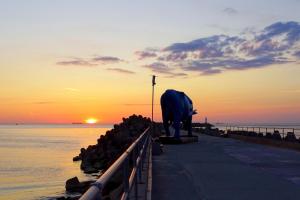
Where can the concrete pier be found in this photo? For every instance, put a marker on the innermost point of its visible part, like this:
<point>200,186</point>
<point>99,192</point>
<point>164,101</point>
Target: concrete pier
<point>224,168</point>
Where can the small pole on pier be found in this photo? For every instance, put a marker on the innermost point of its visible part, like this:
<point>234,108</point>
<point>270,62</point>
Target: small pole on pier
<point>153,84</point>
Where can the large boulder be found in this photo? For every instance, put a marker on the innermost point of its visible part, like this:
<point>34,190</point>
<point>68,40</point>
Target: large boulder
<point>269,135</point>
<point>290,137</point>
<point>252,134</point>
<point>260,135</point>
<point>276,135</point>
<point>73,185</point>
<point>77,158</point>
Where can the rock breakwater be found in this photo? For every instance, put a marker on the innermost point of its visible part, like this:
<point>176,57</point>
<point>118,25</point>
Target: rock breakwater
<point>97,158</point>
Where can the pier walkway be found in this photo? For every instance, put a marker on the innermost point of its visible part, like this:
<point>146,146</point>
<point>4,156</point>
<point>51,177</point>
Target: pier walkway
<point>223,168</point>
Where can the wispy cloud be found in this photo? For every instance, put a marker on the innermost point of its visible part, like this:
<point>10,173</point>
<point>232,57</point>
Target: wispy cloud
<point>177,74</point>
<point>76,62</point>
<point>106,59</point>
<point>145,54</point>
<point>123,71</point>
<point>297,54</point>
<point>94,61</point>
<point>278,43</point>
<point>161,68</point>
<point>230,11</point>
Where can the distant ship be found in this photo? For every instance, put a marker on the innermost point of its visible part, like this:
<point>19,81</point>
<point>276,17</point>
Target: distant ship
<point>77,123</point>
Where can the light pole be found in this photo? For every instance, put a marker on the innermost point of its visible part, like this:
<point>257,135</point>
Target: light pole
<point>153,83</point>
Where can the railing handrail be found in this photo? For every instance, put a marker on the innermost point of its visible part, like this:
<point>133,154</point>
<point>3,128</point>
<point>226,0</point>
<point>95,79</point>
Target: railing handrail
<point>95,190</point>
<point>254,126</point>
<point>264,127</point>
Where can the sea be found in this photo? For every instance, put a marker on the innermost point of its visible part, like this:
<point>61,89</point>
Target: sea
<point>36,160</point>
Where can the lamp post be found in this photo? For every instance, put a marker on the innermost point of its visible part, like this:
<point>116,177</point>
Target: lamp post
<point>153,83</point>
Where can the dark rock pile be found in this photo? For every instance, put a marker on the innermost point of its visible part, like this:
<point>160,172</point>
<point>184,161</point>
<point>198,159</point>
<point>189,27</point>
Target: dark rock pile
<point>73,185</point>
<point>111,145</point>
<point>97,158</point>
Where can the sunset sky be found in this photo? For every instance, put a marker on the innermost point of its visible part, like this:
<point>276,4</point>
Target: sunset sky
<point>64,61</point>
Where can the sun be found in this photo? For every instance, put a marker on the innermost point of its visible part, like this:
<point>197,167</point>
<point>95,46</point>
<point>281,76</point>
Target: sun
<point>91,121</point>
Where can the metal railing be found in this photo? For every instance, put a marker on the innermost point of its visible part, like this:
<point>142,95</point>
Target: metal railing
<point>131,175</point>
<point>264,130</point>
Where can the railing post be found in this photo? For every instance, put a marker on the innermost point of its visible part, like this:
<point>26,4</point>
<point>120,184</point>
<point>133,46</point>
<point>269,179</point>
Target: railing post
<point>139,166</point>
<point>136,152</point>
<point>126,177</point>
<point>142,155</point>
<point>140,173</point>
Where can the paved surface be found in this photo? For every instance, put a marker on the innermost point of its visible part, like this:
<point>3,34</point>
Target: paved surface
<point>223,168</point>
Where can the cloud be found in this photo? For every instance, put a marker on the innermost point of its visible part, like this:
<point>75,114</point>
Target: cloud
<point>290,30</point>
<point>297,54</point>
<point>76,62</point>
<point>230,11</point>
<point>145,54</point>
<point>106,59</point>
<point>124,71</point>
<point>210,72</point>
<point>161,68</point>
<point>213,46</point>
<point>179,74</point>
<point>278,43</point>
<point>90,62</point>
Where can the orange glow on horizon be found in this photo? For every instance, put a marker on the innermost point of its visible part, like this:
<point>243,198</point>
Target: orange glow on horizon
<point>91,121</point>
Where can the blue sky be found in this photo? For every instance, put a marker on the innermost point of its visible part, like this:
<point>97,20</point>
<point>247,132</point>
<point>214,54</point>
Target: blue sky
<point>121,26</point>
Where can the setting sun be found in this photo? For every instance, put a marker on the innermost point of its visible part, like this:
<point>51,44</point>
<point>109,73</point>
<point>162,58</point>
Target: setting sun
<point>91,121</point>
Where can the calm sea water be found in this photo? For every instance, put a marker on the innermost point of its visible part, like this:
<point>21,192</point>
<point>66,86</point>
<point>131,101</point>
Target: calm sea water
<point>36,160</point>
